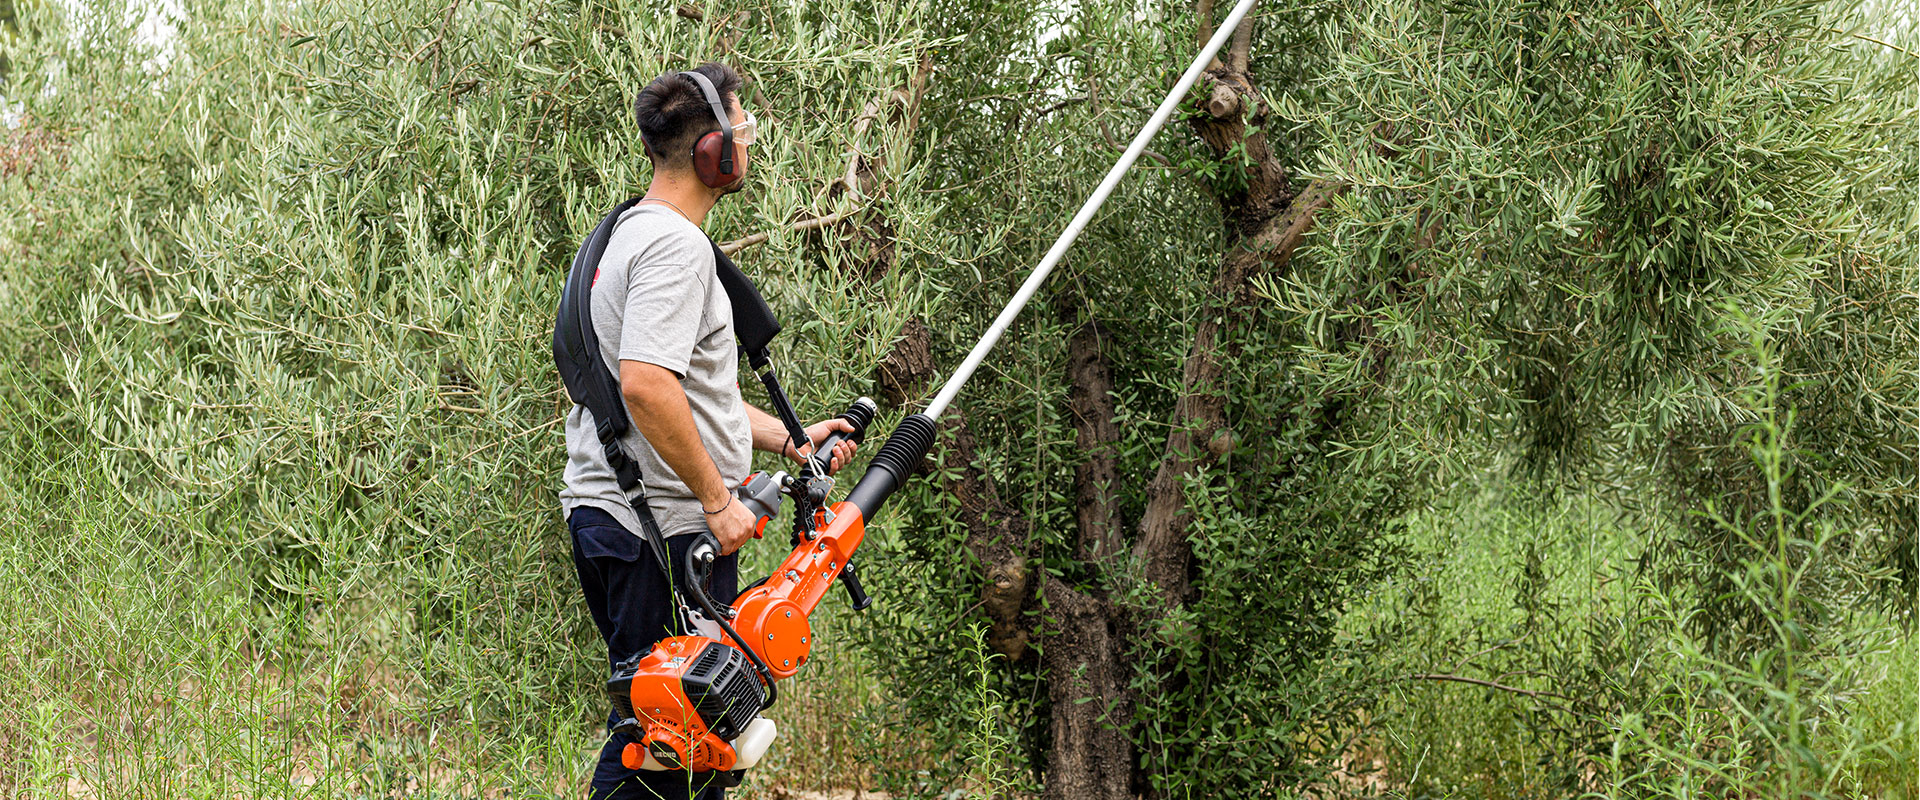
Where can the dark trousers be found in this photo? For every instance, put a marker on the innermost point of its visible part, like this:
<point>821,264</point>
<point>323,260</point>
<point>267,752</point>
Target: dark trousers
<point>628,596</point>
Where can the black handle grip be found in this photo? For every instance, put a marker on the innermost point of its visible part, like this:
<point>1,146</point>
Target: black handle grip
<point>855,595</point>
<point>858,415</point>
<point>895,463</point>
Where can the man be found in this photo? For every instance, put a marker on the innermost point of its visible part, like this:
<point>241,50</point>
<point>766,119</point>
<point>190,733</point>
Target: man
<point>666,328</point>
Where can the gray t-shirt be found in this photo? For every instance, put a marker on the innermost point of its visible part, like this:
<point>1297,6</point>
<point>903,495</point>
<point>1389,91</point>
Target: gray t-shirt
<point>656,299</point>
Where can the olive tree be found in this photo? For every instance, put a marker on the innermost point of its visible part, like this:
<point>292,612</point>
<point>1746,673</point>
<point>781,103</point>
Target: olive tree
<point>1386,243</point>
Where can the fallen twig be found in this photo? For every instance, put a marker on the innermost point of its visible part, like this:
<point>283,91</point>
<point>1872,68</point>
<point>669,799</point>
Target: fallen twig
<point>1489,684</point>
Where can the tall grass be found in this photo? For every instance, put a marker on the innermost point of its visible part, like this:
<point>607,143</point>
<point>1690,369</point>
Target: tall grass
<point>135,662</point>
<point>1774,716</point>
<point>1606,683</point>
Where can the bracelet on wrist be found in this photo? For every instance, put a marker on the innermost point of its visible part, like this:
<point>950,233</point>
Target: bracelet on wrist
<point>723,507</point>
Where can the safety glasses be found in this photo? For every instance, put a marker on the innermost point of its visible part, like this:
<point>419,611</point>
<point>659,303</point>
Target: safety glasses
<point>747,130</point>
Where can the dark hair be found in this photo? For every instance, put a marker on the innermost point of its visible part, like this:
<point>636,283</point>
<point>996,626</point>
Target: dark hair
<point>673,112</point>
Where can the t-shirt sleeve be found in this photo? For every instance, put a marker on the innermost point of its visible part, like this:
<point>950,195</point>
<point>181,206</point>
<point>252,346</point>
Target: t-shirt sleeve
<point>667,286</point>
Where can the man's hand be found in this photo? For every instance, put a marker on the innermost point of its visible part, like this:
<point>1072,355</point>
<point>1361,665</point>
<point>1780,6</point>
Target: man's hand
<point>842,452</point>
<point>771,436</point>
<point>733,526</point>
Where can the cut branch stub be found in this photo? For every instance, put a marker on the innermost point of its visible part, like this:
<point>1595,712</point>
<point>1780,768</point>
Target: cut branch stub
<point>1223,102</point>
<point>997,538</point>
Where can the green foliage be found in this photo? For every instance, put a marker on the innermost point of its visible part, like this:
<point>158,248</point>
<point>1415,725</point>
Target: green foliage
<point>990,754</point>
<point>1283,539</point>
<point>278,316</point>
<point>10,39</point>
<point>1560,216</point>
<point>1557,206</point>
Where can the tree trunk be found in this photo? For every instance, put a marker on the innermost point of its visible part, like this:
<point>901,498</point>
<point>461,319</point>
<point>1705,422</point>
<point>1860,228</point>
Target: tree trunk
<point>1084,652</point>
<point>1091,754</point>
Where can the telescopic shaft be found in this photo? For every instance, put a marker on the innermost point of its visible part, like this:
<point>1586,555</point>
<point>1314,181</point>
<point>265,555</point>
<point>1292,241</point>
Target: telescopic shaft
<point>910,439</point>
<point>1087,210</point>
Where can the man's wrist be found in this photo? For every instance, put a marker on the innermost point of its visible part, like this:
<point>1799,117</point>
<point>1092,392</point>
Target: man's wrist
<point>713,497</point>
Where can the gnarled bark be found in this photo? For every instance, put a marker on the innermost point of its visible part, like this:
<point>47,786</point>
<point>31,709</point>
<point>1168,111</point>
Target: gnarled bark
<point>1266,222</point>
<point>997,538</point>
<point>1090,756</point>
<point>908,366</point>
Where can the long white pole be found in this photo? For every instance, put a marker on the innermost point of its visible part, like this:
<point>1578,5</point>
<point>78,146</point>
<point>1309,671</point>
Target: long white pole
<point>1087,210</point>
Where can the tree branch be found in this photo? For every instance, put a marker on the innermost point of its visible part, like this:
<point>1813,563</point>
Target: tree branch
<point>434,43</point>
<point>1200,410</point>
<point>856,159</point>
<point>1224,130</point>
<point>1488,684</point>
<point>745,242</point>
<point>1203,13</point>
<point>1090,400</point>
<point>1106,134</point>
<point>1057,106</point>
<point>1090,719</point>
<point>1240,52</point>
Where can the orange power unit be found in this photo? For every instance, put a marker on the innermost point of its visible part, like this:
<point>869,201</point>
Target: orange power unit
<point>694,702</point>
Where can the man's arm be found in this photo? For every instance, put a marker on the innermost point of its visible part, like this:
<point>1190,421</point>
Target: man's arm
<point>659,409</point>
<point>769,433</point>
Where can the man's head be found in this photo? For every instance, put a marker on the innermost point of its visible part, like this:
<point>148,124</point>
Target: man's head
<point>674,113</point>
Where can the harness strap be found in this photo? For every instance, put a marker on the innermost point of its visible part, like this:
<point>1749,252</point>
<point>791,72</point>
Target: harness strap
<point>576,353</point>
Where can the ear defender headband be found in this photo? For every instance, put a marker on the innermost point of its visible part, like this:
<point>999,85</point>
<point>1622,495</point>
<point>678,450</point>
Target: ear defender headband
<point>713,151</point>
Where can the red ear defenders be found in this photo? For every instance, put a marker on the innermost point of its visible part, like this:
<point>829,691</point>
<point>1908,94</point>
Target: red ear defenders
<point>713,151</point>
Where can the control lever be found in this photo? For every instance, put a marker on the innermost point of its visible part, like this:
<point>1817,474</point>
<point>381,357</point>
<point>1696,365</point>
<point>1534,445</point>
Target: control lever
<point>760,493</point>
<point>855,595</point>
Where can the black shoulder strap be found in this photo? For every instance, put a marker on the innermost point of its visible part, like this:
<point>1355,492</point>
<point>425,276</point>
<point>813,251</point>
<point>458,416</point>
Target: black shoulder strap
<point>576,348</point>
<point>576,353</point>
<point>753,322</point>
